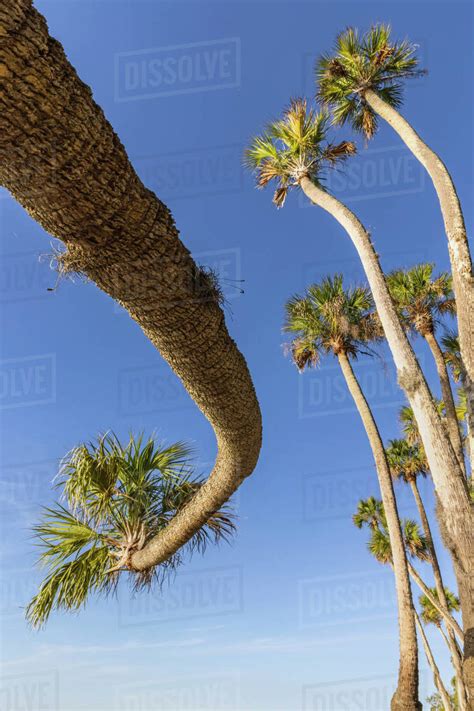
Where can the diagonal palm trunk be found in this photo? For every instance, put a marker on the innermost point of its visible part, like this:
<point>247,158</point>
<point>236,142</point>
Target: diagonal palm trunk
<point>448,477</point>
<point>450,637</point>
<point>458,246</point>
<point>406,694</point>
<point>433,666</point>
<point>443,611</point>
<point>61,159</point>
<point>452,422</point>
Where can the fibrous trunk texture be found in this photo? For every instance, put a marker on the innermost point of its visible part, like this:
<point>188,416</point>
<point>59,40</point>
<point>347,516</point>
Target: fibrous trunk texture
<point>406,694</point>
<point>450,482</point>
<point>60,158</point>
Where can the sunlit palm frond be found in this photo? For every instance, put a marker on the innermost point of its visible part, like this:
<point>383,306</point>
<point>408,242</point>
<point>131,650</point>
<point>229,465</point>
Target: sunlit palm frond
<point>406,461</point>
<point>118,498</point>
<point>361,62</point>
<point>429,613</point>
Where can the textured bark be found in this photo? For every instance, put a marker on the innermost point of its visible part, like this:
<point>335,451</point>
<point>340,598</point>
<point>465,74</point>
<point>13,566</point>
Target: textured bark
<point>458,246</point>
<point>450,638</point>
<point>406,694</point>
<point>433,666</point>
<point>448,477</point>
<point>452,422</point>
<point>60,158</point>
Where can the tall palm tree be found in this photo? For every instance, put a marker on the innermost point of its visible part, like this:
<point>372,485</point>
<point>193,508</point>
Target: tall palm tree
<point>363,79</point>
<point>61,159</point>
<point>116,499</point>
<point>331,320</point>
<point>431,615</point>
<point>443,693</point>
<point>293,152</point>
<point>422,300</point>
<point>370,512</point>
<point>408,462</point>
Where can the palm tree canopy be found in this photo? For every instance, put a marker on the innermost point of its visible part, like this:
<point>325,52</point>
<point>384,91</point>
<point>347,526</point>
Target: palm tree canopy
<point>361,62</point>
<point>370,512</point>
<point>330,319</point>
<point>429,613</point>
<point>406,461</point>
<point>421,299</point>
<point>452,354</point>
<point>409,424</point>
<point>292,147</point>
<point>116,498</point>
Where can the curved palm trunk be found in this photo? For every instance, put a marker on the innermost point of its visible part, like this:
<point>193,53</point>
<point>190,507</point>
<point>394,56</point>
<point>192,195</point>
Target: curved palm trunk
<point>450,637</point>
<point>448,399</point>
<point>448,477</point>
<point>406,695</point>
<point>61,159</point>
<point>458,246</point>
<point>433,666</point>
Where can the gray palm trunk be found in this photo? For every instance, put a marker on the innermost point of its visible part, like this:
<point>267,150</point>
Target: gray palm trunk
<point>60,158</point>
<point>452,421</point>
<point>433,666</point>
<point>458,245</point>
<point>439,585</point>
<point>450,483</point>
<point>443,611</point>
<point>406,694</point>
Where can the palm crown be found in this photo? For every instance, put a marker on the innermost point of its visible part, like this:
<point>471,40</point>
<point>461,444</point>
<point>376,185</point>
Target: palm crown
<point>421,299</point>
<point>406,461</point>
<point>361,62</point>
<point>370,512</point>
<point>116,498</point>
<point>330,319</point>
<point>293,147</point>
<point>431,614</point>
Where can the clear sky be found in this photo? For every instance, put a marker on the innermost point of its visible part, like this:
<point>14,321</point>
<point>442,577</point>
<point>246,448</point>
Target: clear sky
<point>294,614</point>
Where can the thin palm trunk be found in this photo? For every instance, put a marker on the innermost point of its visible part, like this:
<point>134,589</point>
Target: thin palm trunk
<point>448,477</point>
<point>433,666</point>
<point>443,611</point>
<point>406,695</point>
<point>452,421</point>
<point>450,638</point>
<point>61,159</point>
<point>458,245</point>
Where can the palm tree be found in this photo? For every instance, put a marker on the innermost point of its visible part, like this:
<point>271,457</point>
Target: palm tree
<point>63,162</point>
<point>331,320</point>
<point>293,152</point>
<point>370,512</point>
<point>422,300</point>
<point>116,499</point>
<point>430,615</point>
<point>408,462</point>
<point>443,693</point>
<point>363,79</point>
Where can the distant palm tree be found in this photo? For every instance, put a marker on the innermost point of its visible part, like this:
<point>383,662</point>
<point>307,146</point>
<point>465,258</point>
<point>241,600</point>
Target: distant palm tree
<point>408,462</point>
<point>430,615</point>
<point>370,512</point>
<point>293,152</point>
<point>362,79</point>
<point>331,320</point>
<point>422,301</point>
<point>116,499</point>
<point>445,698</point>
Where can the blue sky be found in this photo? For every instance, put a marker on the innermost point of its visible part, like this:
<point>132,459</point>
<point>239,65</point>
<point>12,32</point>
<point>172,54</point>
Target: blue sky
<point>294,614</point>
